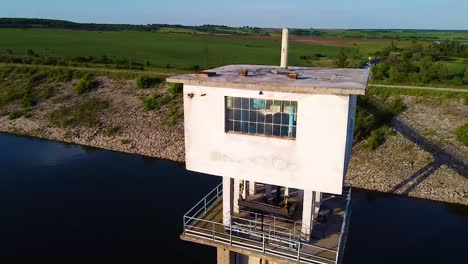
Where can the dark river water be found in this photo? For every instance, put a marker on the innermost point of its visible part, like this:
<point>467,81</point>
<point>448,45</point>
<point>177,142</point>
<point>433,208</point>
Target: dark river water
<point>63,203</point>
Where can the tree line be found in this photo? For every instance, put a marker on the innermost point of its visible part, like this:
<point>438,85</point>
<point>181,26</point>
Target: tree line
<point>422,64</point>
<point>27,23</point>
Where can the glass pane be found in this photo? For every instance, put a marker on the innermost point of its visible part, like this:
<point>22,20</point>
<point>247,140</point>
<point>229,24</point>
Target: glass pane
<point>276,130</point>
<point>268,104</point>
<point>261,117</point>
<point>284,131</point>
<point>268,129</point>
<point>237,115</point>
<point>252,128</point>
<point>245,103</point>
<point>229,126</point>
<point>260,129</point>
<point>229,114</point>
<point>253,116</point>
<point>277,118</point>
<point>245,127</point>
<point>268,119</point>
<point>237,126</point>
<point>286,106</point>
<point>257,104</point>
<point>229,102</point>
<point>237,102</point>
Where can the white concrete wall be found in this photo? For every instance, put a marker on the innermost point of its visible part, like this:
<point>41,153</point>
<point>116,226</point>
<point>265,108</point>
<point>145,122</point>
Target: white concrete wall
<point>314,161</point>
<point>350,134</point>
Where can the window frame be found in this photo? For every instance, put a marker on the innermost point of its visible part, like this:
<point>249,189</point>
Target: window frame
<point>235,107</point>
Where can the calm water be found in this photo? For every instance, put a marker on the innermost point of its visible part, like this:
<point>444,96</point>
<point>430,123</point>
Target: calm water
<point>65,203</point>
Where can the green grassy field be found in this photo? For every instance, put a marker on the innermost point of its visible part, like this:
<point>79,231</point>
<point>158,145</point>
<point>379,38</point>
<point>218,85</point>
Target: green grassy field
<point>428,35</point>
<point>160,49</point>
<point>164,52</point>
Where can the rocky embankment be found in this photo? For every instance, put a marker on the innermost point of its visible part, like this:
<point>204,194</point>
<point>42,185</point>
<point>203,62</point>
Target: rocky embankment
<point>422,159</point>
<point>139,132</point>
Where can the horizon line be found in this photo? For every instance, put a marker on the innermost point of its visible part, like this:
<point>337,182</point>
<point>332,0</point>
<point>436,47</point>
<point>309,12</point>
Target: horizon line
<point>193,25</point>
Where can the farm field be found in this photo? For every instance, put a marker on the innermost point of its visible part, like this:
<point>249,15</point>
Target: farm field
<point>167,51</point>
<point>160,49</point>
<point>181,50</point>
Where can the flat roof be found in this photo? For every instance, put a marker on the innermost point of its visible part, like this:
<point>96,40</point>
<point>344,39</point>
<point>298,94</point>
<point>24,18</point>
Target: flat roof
<point>312,80</point>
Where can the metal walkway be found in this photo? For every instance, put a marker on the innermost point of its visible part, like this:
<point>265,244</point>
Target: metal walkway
<point>205,221</point>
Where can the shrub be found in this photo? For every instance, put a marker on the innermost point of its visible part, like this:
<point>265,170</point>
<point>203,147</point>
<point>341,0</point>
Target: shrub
<point>30,52</point>
<point>85,84</point>
<point>176,88</point>
<point>14,115</point>
<point>155,101</point>
<point>28,115</point>
<point>465,77</point>
<point>27,100</point>
<point>86,114</point>
<point>376,125</point>
<point>144,82</point>
<point>364,124</point>
<point>175,113</point>
<point>376,139</point>
<point>461,134</point>
<point>112,131</point>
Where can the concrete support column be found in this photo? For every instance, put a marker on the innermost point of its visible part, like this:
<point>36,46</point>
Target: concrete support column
<point>225,256</point>
<point>267,189</point>
<point>245,189</point>
<point>286,191</point>
<point>227,200</point>
<point>318,199</point>
<point>252,187</point>
<point>236,196</point>
<point>307,216</point>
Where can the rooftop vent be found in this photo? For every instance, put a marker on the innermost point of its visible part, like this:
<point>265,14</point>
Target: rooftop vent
<point>204,74</point>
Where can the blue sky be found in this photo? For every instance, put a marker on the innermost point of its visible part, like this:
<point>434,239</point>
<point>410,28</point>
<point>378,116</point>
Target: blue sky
<point>434,14</point>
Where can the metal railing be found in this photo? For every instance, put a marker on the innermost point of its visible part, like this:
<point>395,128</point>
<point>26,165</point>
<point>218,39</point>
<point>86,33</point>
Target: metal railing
<point>344,229</point>
<point>200,208</point>
<point>260,222</point>
<point>248,237</point>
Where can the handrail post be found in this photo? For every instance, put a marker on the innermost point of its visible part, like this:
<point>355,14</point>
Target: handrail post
<point>213,232</point>
<point>205,203</point>
<point>263,236</point>
<point>298,251</point>
<point>274,226</point>
<point>230,230</point>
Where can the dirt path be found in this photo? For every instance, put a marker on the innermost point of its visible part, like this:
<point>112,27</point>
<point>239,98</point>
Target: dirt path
<point>149,70</point>
<point>421,88</point>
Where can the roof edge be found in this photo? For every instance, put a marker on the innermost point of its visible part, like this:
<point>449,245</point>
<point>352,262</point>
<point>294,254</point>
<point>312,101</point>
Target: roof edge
<point>271,87</point>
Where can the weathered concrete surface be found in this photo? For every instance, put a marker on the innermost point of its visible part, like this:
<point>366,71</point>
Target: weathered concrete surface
<point>266,78</point>
<point>314,160</point>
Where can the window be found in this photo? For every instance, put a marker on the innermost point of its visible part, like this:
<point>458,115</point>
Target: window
<point>261,117</point>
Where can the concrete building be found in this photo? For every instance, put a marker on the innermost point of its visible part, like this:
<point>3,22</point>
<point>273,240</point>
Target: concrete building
<point>280,138</point>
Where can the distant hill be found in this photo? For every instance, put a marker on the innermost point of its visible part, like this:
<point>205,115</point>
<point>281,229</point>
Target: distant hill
<point>63,24</point>
<point>414,34</point>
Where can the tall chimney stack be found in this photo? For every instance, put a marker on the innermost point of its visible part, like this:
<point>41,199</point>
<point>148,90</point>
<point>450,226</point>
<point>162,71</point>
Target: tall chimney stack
<point>284,49</point>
